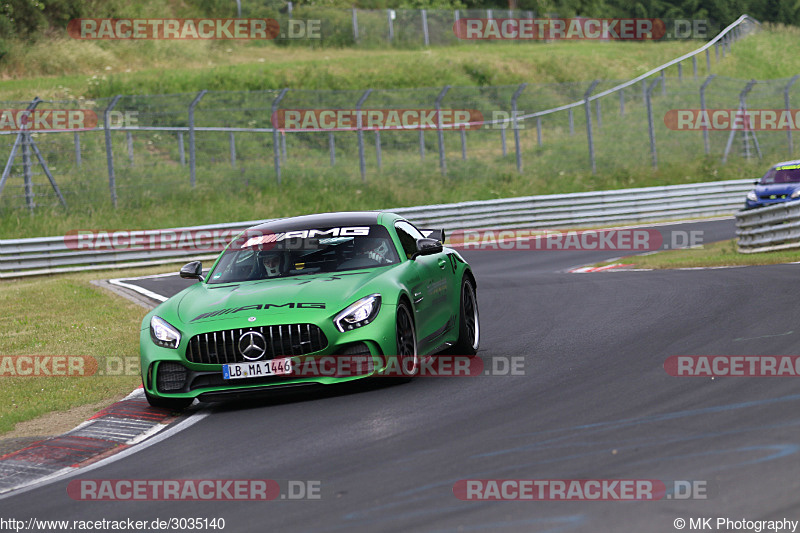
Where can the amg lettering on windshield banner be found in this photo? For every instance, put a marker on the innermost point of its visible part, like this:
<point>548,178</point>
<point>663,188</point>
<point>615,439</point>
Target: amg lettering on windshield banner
<point>259,307</point>
<point>268,238</point>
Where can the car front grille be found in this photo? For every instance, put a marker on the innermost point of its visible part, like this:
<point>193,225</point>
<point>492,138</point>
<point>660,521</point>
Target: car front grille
<point>286,340</point>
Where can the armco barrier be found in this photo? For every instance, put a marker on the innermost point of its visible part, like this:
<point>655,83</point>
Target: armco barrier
<point>776,227</point>
<point>48,255</point>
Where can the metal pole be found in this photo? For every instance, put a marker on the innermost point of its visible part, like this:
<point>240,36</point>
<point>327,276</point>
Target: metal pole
<point>355,25</point>
<point>680,72</point>
<point>588,110</point>
<point>276,148</point>
<point>515,125</point>
<point>362,164</point>
<point>181,149</point>
<point>332,147</point>
<point>539,131</point>
<point>742,108</point>
<point>77,139</point>
<point>694,67</point>
<point>239,8</point>
<point>391,24</point>
<point>503,140</point>
<point>26,169</point>
<point>650,123</point>
<point>463,144</point>
<point>232,145</point>
<point>378,148</point>
<point>703,110</point>
<point>112,180</point>
<point>192,151</point>
<point>129,139</point>
<point>48,173</point>
<point>708,61</point>
<point>786,102</point>
<point>421,145</point>
<point>425,27</point>
<point>663,83</point>
<point>439,133</point>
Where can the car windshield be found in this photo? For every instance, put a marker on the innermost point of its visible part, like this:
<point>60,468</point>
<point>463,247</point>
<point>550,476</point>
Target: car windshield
<point>262,254</point>
<point>781,175</point>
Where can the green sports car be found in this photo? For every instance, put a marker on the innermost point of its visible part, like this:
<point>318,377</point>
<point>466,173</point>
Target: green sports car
<point>288,300</point>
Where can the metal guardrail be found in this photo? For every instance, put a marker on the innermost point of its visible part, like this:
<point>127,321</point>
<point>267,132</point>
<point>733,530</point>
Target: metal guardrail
<point>49,255</point>
<point>776,227</point>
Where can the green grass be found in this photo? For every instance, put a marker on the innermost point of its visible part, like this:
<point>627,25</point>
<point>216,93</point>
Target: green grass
<point>66,316</point>
<point>716,254</point>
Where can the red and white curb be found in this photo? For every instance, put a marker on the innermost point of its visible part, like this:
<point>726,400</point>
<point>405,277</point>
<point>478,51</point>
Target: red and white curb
<point>603,268</point>
<point>107,433</point>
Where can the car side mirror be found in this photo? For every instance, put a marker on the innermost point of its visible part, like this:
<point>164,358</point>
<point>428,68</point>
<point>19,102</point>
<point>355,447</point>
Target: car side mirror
<point>437,234</point>
<point>428,247</point>
<point>193,270</point>
<point>756,182</point>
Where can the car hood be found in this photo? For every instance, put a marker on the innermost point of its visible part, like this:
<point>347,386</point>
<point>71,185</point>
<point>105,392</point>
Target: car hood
<point>777,189</point>
<point>294,299</point>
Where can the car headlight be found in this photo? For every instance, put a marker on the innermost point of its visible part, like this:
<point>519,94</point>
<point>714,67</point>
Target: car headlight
<point>358,314</point>
<point>163,333</point>
<point>795,194</point>
<point>753,198</point>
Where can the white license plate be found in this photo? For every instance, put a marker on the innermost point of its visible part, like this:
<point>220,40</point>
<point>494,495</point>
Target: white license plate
<point>256,369</point>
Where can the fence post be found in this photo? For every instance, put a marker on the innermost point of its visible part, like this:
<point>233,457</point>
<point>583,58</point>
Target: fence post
<point>355,26</point>
<point>650,124</point>
<point>129,139</point>
<point>503,140</point>
<point>391,24</point>
<point>708,61</point>
<point>694,67</point>
<point>463,144</point>
<point>716,50</point>
<point>192,152</point>
<point>703,110</point>
<point>588,109</point>
<point>362,164</point>
<point>425,27</point>
<point>239,8</point>
<point>332,148</point>
<point>181,149</point>
<point>539,131</point>
<point>515,125</point>
<point>112,180</point>
<point>276,149</point>
<point>77,138</point>
<point>440,134</point>
<point>232,142</point>
<point>663,83</point>
<point>421,145</point>
<point>786,101</point>
<point>14,148</point>
<point>742,108</point>
<point>378,148</point>
<point>26,170</point>
<point>599,117</point>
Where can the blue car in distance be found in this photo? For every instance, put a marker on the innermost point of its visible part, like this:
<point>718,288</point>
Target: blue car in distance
<point>781,183</point>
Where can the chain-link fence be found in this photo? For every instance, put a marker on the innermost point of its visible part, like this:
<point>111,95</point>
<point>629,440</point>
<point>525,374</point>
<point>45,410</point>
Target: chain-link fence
<point>130,150</point>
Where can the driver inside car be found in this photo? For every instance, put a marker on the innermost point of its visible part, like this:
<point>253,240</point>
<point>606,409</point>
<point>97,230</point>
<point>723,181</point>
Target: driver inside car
<point>271,263</point>
<point>372,248</point>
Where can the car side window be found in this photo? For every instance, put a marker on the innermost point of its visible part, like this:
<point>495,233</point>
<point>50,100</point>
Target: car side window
<point>408,235</point>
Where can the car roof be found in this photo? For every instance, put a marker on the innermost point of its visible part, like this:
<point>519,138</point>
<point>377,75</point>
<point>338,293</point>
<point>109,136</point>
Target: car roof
<point>326,220</point>
<point>784,163</point>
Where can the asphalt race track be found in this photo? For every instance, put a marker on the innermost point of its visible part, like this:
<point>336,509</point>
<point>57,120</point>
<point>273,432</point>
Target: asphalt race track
<point>594,403</point>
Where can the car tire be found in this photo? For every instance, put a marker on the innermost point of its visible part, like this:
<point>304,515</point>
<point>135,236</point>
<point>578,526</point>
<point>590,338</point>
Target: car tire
<point>174,404</point>
<point>406,341</point>
<point>469,328</point>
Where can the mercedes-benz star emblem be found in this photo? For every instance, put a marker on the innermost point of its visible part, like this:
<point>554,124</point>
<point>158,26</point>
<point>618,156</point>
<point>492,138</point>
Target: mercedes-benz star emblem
<point>252,345</point>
